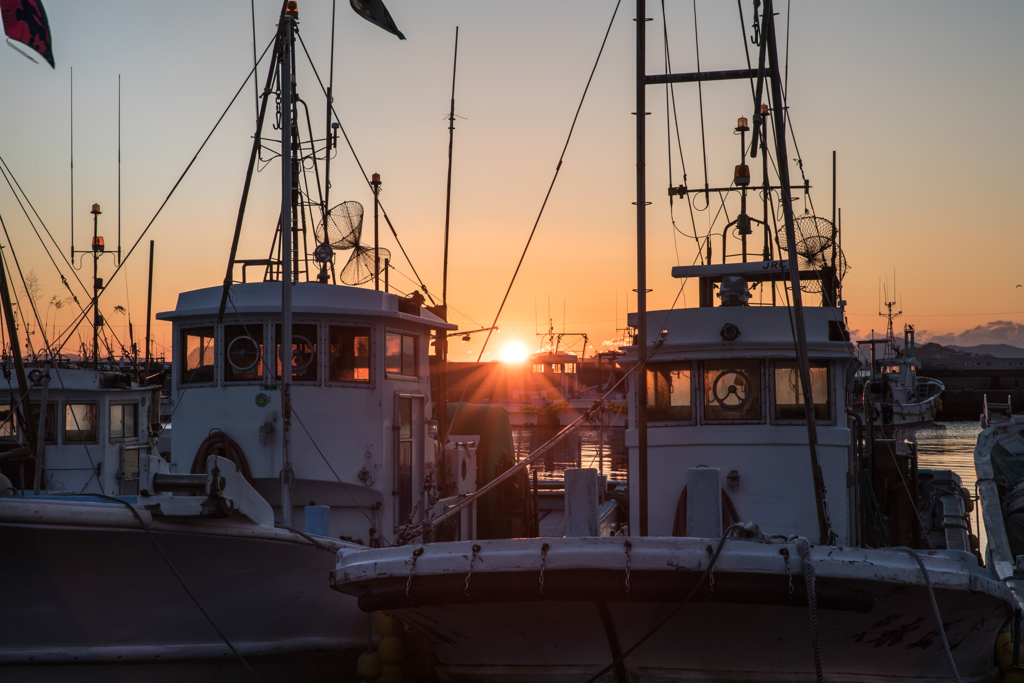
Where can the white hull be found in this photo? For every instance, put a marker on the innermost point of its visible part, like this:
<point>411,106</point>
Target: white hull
<point>88,595</point>
<point>874,615</point>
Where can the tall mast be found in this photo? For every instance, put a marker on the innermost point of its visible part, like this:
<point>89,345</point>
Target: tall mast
<point>779,112</point>
<point>641,261</point>
<point>448,192</point>
<point>287,248</point>
<point>19,365</point>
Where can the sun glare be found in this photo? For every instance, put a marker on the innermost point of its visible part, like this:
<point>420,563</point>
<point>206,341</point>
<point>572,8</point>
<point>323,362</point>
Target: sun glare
<point>513,352</point>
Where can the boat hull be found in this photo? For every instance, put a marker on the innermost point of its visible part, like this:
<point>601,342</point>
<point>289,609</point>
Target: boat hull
<point>89,597</point>
<point>875,621</point>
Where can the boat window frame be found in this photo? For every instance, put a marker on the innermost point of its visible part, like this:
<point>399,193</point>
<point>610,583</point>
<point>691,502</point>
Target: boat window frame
<point>318,362</point>
<point>762,389</point>
<point>222,376</point>
<point>110,414</point>
<point>362,384</point>
<point>218,338</point>
<point>695,396</point>
<point>830,369</point>
<point>97,422</point>
<point>53,414</point>
<point>403,332</point>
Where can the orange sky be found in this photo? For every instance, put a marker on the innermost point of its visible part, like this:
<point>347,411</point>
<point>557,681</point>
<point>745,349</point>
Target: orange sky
<point>920,101</point>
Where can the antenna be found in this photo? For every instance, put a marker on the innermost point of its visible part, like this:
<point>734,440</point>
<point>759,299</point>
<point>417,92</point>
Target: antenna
<point>72,117</point>
<point>448,192</point>
<point>119,169</point>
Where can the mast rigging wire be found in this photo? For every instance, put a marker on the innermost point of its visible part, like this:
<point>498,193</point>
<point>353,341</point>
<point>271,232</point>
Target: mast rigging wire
<point>88,308</point>
<point>366,178</point>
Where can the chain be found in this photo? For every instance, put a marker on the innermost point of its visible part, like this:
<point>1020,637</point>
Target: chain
<point>629,547</point>
<point>756,38</point>
<point>476,549</point>
<point>408,584</point>
<point>785,554</point>
<point>543,557</point>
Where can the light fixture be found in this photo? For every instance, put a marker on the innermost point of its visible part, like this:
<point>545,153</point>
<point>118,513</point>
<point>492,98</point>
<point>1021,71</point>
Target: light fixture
<point>764,109</point>
<point>741,124</point>
<point>96,209</point>
<point>97,241</point>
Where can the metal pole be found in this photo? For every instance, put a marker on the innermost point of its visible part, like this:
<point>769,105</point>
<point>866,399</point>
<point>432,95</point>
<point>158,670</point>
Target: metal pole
<point>824,527</point>
<point>19,365</point>
<point>285,342</point>
<point>41,434</point>
<point>448,193</point>
<point>376,235</point>
<point>149,311</point>
<point>96,317</point>
<point>641,263</point>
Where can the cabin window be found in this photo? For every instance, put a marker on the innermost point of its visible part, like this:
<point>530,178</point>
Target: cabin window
<point>401,353</point>
<point>243,353</point>
<point>198,350</point>
<point>8,429</point>
<point>789,395</point>
<point>732,390</point>
<point>668,392</point>
<point>50,429</point>
<point>80,423</point>
<point>304,363</point>
<point>350,354</point>
<point>124,420</point>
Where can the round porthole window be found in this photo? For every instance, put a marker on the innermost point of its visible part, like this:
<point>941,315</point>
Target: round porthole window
<point>243,353</point>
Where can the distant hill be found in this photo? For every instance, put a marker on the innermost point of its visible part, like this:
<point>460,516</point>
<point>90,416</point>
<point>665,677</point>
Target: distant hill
<point>933,350</point>
<point>994,350</point>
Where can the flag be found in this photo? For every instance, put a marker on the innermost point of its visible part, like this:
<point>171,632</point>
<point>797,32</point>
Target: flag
<point>25,22</point>
<point>373,11</point>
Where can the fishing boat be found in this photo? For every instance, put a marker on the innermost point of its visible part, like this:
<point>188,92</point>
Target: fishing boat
<point>210,561</point>
<point>900,399</point>
<point>772,535</point>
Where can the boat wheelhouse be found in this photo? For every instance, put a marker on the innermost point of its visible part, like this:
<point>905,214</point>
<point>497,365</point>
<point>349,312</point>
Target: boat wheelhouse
<point>362,430</point>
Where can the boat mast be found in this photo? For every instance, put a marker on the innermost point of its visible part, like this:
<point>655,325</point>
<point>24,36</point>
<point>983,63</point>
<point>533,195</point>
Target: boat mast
<point>779,112</point>
<point>288,190</point>
<point>641,261</point>
<point>19,364</point>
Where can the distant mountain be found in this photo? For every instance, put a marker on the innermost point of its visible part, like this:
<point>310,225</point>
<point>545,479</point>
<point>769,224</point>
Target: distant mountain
<point>933,350</point>
<point>994,350</point>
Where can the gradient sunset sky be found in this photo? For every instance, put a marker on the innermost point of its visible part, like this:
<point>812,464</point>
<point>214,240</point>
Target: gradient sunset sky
<point>920,99</point>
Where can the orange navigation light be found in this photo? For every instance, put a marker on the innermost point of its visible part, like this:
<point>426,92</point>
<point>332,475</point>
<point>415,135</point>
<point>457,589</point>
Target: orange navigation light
<point>764,109</point>
<point>741,124</point>
<point>742,176</point>
<point>97,243</point>
<point>96,210</point>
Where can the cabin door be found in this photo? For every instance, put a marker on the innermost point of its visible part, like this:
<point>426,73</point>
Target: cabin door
<point>409,428</point>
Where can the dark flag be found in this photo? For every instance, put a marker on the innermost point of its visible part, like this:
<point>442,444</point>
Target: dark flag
<point>25,22</point>
<point>374,12</point>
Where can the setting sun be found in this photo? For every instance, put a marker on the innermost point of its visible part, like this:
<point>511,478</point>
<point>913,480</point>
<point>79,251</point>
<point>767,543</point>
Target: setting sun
<point>513,352</point>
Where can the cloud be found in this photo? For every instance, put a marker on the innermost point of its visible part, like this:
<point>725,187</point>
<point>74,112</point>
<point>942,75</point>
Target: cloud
<point>995,332</point>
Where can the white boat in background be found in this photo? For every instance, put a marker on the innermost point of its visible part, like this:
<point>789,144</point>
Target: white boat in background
<point>767,522</point>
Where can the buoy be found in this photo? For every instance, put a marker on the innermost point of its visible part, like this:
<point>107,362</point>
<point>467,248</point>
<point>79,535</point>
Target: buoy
<point>369,666</point>
<point>392,674</point>
<point>390,626</point>
<point>391,650</point>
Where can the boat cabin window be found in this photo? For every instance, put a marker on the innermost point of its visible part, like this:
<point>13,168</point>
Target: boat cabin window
<point>350,354</point>
<point>80,423</point>
<point>50,429</point>
<point>668,391</point>
<point>403,467</point>
<point>732,390</point>
<point>198,351</point>
<point>124,420</point>
<point>789,395</point>
<point>304,362</point>
<point>400,354</point>
<point>8,430</point>
<point>243,351</point>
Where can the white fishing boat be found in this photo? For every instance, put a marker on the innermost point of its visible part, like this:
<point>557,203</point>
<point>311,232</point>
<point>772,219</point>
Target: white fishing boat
<point>211,562</point>
<point>766,521</point>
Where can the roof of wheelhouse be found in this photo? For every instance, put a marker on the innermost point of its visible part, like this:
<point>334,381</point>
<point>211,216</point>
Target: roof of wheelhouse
<point>308,298</point>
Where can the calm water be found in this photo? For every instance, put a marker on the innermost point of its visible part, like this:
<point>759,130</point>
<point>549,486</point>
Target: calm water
<point>944,445</point>
<point>950,445</point>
